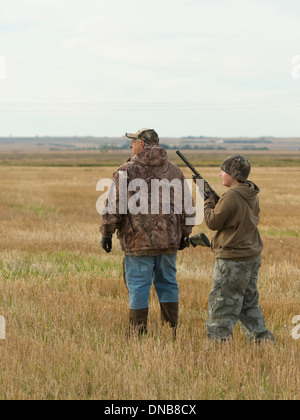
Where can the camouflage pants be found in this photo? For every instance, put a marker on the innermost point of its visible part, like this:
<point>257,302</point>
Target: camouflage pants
<point>234,298</point>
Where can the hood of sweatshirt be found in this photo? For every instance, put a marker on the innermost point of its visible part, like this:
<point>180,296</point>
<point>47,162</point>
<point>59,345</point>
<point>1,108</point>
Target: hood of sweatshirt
<point>248,191</point>
<point>152,156</point>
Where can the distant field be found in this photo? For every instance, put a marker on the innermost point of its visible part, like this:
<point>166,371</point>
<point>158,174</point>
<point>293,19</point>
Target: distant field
<point>66,306</point>
<point>115,158</point>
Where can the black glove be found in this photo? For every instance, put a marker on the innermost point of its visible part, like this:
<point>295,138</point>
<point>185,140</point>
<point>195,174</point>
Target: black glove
<point>185,243</point>
<point>106,244</point>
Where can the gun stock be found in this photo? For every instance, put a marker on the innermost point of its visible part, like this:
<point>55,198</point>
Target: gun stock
<point>200,240</point>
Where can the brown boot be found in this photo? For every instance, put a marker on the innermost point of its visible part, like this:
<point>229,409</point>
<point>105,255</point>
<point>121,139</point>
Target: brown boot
<point>169,313</point>
<point>138,320</point>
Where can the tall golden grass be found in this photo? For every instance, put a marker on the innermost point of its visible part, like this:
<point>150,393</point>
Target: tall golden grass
<point>66,307</point>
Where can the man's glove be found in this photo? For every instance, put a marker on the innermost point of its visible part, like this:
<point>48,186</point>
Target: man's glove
<point>106,244</point>
<point>185,243</point>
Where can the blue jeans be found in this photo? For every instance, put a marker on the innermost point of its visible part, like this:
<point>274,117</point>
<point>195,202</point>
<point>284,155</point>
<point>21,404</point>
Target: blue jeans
<point>142,271</point>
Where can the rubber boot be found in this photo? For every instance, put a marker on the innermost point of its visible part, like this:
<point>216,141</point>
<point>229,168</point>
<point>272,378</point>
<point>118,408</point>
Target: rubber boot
<point>169,313</point>
<point>138,321</point>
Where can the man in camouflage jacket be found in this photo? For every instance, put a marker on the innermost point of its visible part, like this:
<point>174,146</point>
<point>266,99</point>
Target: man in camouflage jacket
<point>149,236</point>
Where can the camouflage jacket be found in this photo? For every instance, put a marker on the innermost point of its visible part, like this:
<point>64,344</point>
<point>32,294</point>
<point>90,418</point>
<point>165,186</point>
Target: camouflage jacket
<point>143,228</point>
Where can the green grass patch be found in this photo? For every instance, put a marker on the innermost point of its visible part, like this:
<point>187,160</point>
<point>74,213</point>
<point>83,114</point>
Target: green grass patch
<point>64,264</point>
<point>280,234</point>
<point>42,211</point>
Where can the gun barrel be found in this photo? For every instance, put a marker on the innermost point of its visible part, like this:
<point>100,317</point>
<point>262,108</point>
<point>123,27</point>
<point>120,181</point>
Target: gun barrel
<point>216,196</point>
<point>188,164</point>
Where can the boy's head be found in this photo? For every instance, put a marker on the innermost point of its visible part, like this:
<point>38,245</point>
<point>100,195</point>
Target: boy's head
<point>237,166</point>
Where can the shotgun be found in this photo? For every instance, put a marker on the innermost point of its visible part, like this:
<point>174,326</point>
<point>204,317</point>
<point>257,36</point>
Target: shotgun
<point>198,176</point>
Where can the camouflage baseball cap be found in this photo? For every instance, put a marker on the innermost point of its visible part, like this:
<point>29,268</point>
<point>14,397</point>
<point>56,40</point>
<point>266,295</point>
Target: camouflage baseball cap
<point>148,135</point>
<point>237,166</point>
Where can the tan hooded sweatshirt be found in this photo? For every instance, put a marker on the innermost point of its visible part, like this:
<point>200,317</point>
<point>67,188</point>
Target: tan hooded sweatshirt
<point>235,218</point>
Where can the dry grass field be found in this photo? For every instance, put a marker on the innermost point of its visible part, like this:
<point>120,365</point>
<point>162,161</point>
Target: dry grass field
<point>66,306</point>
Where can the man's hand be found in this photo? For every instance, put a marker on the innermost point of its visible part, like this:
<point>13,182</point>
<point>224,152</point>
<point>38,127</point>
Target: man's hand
<point>185,243</point>
<point>106,244</point>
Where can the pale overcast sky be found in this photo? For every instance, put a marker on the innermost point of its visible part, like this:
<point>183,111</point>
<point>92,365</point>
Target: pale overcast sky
<point>182,67</point>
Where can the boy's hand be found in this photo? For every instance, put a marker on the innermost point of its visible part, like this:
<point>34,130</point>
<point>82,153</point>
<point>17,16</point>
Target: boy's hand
<point>207,191</point>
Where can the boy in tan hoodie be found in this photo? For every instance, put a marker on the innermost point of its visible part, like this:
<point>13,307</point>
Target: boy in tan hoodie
<point>237,246</point>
